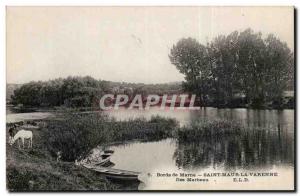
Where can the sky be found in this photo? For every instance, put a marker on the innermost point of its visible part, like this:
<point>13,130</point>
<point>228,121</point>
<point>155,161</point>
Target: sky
<point>125,44</point>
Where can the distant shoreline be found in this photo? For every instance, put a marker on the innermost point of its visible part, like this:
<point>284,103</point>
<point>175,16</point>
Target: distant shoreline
<point>90,109</point>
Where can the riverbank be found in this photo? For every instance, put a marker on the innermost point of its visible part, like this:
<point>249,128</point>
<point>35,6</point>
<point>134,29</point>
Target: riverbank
<point>37,169</point>
<point>27,109</point>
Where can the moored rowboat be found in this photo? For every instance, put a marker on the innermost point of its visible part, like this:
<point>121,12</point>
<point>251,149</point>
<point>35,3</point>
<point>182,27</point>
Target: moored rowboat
<point>115,174</point>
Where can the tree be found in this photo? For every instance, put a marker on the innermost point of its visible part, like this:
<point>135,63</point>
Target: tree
<point>189,58</point>
<point>280,63</point>
<point>252,67</point>
<point>223,59</point>
<point>28,94</point>
<point>234,65</point>
<point>72,91</point>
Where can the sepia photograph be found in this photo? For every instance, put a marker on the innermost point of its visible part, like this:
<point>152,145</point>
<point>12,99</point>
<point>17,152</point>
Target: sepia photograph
<point>150,98</point>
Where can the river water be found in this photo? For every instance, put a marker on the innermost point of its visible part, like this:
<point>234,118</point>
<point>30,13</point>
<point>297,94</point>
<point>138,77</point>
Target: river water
<point>13,116</point>
<point>266,150</point>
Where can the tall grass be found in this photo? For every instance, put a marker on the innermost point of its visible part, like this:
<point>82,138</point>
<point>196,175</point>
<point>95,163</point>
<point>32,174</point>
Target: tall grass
<point>231,145</point>
<point>208,129</point>
<point>76,134</point>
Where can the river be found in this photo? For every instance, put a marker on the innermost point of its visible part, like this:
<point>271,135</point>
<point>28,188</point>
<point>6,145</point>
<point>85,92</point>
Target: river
<point>13,116</point>
<point>270,149</point>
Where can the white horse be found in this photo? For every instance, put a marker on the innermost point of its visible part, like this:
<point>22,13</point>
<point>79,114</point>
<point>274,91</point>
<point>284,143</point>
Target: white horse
<point>22,135</point>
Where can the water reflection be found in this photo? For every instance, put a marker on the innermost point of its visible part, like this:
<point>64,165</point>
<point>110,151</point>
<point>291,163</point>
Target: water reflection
<point>258,148</point>
<point>270,145</point>
<point>247,117</point>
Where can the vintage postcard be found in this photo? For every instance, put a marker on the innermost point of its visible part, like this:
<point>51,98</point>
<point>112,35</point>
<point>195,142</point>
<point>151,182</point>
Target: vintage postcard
<point>150,98</point>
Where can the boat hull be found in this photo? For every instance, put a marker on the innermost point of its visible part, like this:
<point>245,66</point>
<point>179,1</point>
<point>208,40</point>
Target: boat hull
<point>122,177</point>
<point>115,174</point>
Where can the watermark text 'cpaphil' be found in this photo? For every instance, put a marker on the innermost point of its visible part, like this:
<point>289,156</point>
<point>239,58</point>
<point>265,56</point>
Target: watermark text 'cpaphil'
<point>176,101</point>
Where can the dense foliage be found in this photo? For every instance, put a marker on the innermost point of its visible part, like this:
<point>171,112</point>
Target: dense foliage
<point>71,92</point>
<point>241,64</point>
<point>82,91</point>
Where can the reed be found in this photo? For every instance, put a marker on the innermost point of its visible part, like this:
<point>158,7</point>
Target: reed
<point>209,129</point>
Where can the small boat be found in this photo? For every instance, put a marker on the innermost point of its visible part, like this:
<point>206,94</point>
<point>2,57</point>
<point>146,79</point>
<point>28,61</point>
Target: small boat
<point>115,174</point>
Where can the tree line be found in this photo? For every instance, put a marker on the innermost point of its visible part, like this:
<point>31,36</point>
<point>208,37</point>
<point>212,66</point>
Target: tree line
<point>70,92</point>
<point>241,68</point>
<point>81,91</point>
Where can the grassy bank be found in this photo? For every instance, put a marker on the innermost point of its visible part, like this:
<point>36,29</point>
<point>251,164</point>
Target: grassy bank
<point>35,169</point>
<point>75,135</point>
